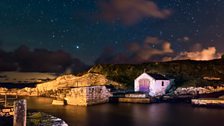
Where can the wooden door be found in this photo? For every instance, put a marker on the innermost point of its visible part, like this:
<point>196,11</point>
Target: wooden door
<point>144,85</point>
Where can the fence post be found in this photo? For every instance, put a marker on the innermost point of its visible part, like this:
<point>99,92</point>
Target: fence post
<point>20,111</point>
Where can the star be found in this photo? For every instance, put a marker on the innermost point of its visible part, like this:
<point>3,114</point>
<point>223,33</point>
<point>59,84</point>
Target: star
<point>92,26</point>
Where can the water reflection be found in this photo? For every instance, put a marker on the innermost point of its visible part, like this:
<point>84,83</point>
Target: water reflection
<point>130,114</point>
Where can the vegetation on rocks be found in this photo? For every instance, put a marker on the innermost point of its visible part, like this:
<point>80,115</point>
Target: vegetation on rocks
<point>186,73</point>
<point>42,119</point>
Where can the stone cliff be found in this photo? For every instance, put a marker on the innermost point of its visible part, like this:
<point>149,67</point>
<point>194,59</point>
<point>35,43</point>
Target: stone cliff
<point>70,81</point>
<point>54,87</point>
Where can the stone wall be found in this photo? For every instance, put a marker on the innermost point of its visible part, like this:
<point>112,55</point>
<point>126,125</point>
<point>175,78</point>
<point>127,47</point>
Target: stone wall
<point>84,96</point>
<point>77,96</point>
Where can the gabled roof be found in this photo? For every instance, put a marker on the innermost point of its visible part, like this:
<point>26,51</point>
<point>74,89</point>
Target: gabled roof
<point>157,76</point>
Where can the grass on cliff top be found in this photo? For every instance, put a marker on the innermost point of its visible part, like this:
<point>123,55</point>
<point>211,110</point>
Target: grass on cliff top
<point>186,73</point>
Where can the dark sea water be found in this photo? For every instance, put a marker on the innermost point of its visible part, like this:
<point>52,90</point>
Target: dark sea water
<point>164,114</point>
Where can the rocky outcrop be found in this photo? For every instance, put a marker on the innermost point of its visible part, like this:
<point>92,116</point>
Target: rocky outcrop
<point>20,92</point>
<point>81,96</point>
<point>83,90</point>
<point>70,81</point>
<point>56,87</point>
<point>43,119</point>
<point>198,90</point>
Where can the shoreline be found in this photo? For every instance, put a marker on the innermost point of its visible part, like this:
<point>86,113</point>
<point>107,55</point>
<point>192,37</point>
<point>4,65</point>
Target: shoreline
<point>160,99</point>
<point>181,94</point>
<point>35,118</point>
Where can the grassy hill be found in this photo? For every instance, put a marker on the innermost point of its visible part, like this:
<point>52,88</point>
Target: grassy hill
<point>185,73</point>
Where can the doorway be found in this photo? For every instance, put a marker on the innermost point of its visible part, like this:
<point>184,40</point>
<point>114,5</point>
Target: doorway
<point>144,85</point>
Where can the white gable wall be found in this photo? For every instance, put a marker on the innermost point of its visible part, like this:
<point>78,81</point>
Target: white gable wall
<point>144,75</point>
<point>156,87</point>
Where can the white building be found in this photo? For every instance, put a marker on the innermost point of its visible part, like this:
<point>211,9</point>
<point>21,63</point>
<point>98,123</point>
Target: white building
<point>153,84</point>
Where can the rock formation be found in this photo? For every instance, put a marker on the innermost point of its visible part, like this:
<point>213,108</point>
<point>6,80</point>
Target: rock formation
<point>71,81</point>
<point>83,90</point>
<point>198,90</point>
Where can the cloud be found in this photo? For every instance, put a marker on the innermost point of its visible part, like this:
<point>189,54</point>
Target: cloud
<point>206,54</point>
<point>38,60</point>
<point>138,52</point>
<point>184,39</point>
<point>130,12</point>
<point>167,47</point>
<point>110,56</point>
<point>151,49</point>
<point>151,40</point>
<point>155,49</point>
<point>145,54</point>
<point>133,47</point>
<point>196,47</point>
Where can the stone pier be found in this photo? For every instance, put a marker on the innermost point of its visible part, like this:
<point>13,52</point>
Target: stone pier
<point>208,102</point>
<point>84,96</point>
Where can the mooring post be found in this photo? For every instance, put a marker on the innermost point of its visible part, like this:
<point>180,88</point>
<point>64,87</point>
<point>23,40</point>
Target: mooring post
<point>5,99</point>
<point>20,112</point>
<point>16,94</point>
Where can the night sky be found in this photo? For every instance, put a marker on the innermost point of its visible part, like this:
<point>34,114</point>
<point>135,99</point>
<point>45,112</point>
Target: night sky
<point>115,31</point>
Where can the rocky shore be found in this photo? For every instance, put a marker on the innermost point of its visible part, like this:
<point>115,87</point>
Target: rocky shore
<point>35,119</point>
<point>213,102</point>
<point>43,119</point>
<point>83,90</point>
<point>194,91</point>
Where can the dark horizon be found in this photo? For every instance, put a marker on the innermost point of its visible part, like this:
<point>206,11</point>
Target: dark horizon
<point>25,59</point>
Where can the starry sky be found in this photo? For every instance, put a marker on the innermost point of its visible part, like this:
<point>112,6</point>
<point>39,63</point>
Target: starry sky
<point>115,31</point>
